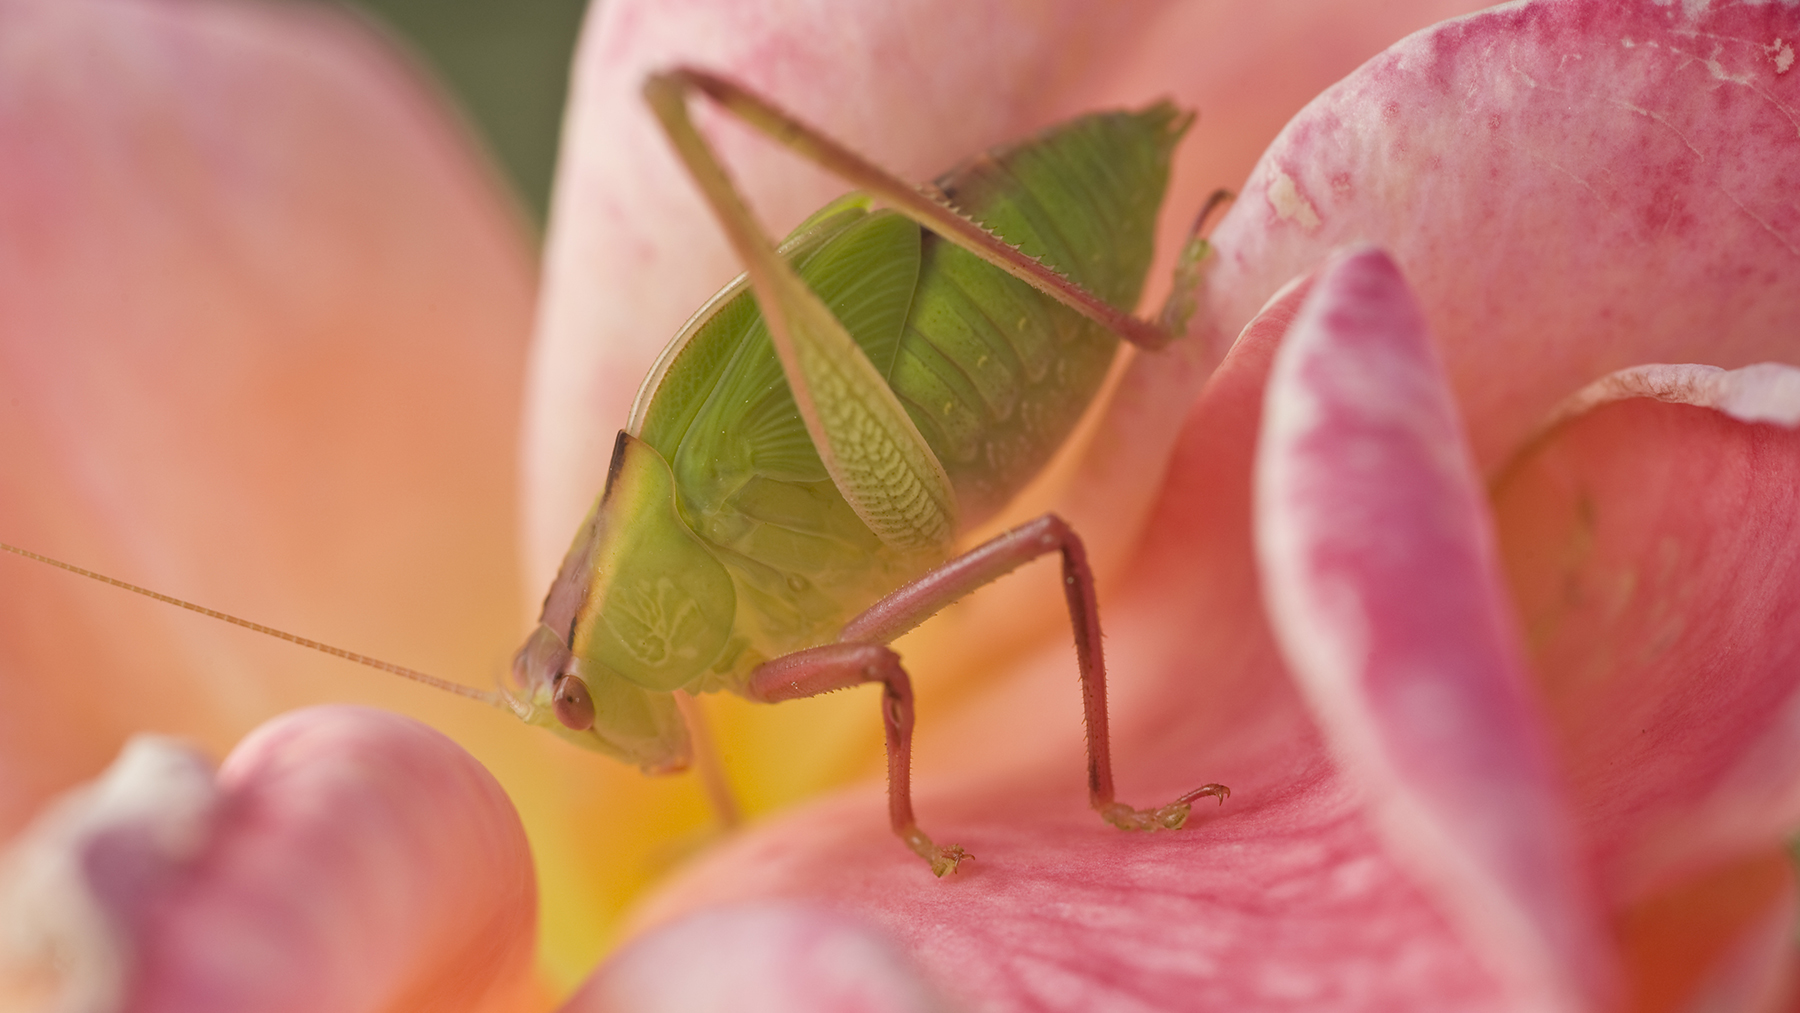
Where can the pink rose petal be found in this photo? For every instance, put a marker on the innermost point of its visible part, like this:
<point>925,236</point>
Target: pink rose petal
<point>347,859</point>
<point>1383,587</point>
<point>1572,188</point>
<point>761,958</point>
<point>1655,553</point>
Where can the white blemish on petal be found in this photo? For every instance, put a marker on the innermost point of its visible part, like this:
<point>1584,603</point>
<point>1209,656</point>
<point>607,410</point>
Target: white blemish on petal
<point>150,814</point>
<point>1289,204</point>
<point>1782,52</point>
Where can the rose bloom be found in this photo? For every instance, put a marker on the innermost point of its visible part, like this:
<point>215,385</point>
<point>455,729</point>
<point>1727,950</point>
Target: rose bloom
<point>1459,536</point>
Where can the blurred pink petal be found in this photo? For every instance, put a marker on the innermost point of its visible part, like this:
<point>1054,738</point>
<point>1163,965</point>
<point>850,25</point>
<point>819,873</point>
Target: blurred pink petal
<point>347,859</point>
<point>1571,188</point>
<point>1383,585</point>
<point>1720,941</point>
<point>262,314</point>
<point>763,958</point>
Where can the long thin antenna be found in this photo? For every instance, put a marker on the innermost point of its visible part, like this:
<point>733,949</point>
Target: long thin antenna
<point>488,697</point>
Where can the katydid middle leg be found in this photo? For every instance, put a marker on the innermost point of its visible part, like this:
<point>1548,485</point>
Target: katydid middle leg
<point>860,656</point>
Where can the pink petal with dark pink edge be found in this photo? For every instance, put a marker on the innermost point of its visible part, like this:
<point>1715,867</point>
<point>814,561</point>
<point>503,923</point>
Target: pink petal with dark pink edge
<point>1285,897</point>
<point>1571,188</point>
<point>1654,550</point>
<point>759,958</point>
<point>262,314</point>
<point>1384,589</point>
<point>347,859</point>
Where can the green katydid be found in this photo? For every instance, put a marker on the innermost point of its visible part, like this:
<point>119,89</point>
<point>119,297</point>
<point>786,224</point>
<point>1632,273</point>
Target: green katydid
<point>786,497</point>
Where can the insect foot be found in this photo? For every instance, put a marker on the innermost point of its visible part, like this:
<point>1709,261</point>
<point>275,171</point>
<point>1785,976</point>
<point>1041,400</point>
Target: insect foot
<point>944,860</point>
<point>1169,817</point>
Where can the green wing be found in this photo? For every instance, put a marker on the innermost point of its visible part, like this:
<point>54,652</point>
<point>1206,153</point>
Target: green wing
<point>749,478</point>
<point>994,373</point>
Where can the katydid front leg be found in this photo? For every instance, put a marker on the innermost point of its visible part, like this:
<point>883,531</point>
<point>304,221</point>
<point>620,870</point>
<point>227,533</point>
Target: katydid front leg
<point>860,656</point>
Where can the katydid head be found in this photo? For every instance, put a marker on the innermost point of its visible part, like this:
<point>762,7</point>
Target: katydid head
<point>639,610</point>
<point>595,709</point>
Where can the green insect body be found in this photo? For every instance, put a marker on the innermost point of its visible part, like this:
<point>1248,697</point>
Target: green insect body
<point>722,540</point>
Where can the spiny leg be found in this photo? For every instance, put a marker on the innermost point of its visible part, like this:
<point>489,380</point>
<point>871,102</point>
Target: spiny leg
<point>916,602</point>
<point>859,658</point>
<point>837,666</point>
<point>923,204</point>
<point>1184,290</point>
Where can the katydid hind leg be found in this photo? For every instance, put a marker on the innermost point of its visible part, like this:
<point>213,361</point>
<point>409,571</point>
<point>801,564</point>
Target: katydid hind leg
<point>988,562</point>
<point>839,666</point>
<point>868,443</point>
<point>924,204</point>
<point>859,658</point>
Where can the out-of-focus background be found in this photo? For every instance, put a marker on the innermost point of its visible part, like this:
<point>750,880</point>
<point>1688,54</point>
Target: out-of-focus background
<point>506,63</point>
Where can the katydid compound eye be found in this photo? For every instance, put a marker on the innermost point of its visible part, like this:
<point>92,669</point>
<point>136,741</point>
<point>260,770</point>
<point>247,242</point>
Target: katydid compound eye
<point>573,706</point>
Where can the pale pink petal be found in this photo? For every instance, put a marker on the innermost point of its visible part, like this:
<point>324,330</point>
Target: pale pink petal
<point>1654,550</point>
<point>262,314</point>
<point>346,859</point>
<point>1572,188</point>
<point>1383,586</point>
<point>1284,897</point>
<point>759,958</point>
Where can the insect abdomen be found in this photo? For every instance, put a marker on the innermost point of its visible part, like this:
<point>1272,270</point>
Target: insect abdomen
<point>994,373</point>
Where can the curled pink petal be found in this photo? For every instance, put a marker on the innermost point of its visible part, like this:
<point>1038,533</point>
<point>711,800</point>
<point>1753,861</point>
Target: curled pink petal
<point>1763,392</point>
<point>1654,550</point>
<point>1572,189</point>
<point>1384,589</point>
<point>346,859</point>
<point>759,958</point>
